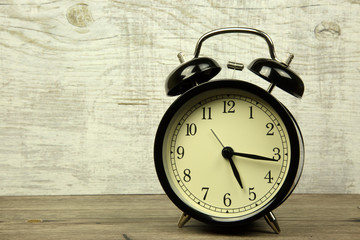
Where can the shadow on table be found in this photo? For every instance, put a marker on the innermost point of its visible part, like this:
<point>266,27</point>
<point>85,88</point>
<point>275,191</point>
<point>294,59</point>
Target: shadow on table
<point>256,228</point>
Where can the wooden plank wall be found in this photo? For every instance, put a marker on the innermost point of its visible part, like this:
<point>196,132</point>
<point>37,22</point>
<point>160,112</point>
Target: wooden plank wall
<point>82,86</point>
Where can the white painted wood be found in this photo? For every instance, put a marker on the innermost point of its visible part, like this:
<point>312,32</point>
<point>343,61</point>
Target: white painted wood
<point>82,86</point>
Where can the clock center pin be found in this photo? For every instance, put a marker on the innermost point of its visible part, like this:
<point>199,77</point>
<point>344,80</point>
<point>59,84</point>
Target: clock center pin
<point>227,152</point>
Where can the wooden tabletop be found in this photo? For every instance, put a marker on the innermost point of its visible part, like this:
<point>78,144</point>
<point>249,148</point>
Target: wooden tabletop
<point>155,217</point>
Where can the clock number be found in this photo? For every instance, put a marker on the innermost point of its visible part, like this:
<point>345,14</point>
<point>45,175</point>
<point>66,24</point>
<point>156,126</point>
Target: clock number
<point>252,195</point>
<point>227,200</point>
<point>187,176</point>
<point>251,113</point>
<point>270,126</point>
<point>277,155</point>
<point>180,151</point>
<point>206,113</point>
<point>268,177</point>
<point>229,106</point>
<point>191,129</point>
<point>206,192</point>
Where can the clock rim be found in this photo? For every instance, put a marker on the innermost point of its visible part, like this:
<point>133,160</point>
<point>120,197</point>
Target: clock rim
<point>295,141</point>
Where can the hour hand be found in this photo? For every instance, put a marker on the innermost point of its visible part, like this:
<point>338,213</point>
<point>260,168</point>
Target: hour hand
<point>253,156</point>
<point>227,153</point>
<point>235,171</point>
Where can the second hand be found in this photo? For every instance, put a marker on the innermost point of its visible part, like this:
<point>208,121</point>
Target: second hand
<point>217,138</point>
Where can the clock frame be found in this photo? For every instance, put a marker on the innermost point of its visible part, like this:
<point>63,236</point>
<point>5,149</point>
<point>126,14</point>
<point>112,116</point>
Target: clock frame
<point>295,142</point>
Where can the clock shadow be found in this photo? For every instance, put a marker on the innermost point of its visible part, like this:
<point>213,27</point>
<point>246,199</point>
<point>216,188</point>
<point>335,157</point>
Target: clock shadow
<point>258,227</point>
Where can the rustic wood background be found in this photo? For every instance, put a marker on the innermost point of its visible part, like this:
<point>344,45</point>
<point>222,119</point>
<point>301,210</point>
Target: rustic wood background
<point>82,86</point>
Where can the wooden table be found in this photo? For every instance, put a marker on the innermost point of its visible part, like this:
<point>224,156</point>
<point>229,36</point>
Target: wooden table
<point>155,217</point>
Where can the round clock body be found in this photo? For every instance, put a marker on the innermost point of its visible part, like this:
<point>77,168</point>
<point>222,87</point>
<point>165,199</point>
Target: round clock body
<point>216,127</point>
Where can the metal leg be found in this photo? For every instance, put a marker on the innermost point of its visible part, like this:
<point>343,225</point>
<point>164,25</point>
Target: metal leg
<point>183,219</point>
<point>271,220</point>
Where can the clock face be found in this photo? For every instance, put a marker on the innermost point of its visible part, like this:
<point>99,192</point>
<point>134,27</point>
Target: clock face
<point>226,153</point>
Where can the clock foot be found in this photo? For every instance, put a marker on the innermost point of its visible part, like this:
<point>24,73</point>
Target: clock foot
<point>183,219</point>
<point>271,220</point>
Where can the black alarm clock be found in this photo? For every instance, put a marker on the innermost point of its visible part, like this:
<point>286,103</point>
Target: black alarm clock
<point>227,152</point>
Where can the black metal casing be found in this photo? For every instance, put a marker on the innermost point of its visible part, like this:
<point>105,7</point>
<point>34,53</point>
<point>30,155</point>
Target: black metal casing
<point>296,143</point>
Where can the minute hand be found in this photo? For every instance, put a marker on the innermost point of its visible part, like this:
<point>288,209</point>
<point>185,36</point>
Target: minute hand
<point>253,156</point>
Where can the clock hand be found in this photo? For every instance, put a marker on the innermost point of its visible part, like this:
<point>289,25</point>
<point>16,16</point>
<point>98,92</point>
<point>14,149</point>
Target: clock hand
<point>235,171</point>
<point>253,156</point>
<point>217,138</point>
<point>227,153</point>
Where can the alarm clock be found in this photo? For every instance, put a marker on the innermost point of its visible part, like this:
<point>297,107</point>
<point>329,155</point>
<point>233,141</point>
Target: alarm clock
<point>226,151</point>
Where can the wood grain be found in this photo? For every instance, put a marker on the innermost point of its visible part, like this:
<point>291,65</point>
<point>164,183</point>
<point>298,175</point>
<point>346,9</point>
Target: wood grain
<point>155,217</point>
<point>82,86</point>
